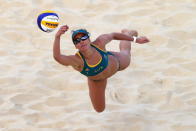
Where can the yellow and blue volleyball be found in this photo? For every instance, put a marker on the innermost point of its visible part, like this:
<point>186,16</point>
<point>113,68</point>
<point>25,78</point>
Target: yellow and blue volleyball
<point>48,21</point>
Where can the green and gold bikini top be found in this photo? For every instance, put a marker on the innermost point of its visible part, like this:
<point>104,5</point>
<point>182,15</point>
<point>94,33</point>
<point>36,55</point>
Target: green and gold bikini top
<point>92,70</point>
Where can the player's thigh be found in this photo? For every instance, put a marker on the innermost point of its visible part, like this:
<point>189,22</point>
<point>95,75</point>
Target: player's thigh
<point>97,93</point>
<point>123,58</point>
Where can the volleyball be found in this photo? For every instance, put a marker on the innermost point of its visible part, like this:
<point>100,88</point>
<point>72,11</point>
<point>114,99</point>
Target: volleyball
<point>48,21</point>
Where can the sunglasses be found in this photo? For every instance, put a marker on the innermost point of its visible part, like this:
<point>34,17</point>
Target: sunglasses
<point>78,40</point>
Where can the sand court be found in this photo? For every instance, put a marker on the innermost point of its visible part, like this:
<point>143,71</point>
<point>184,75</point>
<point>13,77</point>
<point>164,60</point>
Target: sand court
<point>157,92</point>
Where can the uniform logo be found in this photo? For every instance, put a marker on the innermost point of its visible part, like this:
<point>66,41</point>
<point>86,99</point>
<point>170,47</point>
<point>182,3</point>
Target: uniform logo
<point>86,69</point>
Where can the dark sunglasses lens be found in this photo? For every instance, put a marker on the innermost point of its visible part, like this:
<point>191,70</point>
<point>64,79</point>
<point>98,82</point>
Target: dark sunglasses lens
<point>84,37</point>
<point>76,41</point>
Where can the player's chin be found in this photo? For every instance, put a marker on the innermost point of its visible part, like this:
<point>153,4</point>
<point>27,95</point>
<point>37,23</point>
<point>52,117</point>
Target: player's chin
<point>83,48</point>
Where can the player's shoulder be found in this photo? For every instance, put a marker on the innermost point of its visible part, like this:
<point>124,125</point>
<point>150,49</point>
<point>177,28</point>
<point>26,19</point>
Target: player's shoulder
<point>99,44</point>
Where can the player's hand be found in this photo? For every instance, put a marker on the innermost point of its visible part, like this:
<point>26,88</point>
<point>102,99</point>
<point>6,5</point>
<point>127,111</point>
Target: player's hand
<point>142,40</point>
<point>62,30</point>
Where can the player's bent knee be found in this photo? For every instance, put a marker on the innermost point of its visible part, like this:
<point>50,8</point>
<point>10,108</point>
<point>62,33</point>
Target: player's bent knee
<point>99,110</point>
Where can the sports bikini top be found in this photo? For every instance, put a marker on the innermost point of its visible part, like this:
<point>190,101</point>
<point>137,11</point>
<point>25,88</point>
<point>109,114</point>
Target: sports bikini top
<point>92,70</point>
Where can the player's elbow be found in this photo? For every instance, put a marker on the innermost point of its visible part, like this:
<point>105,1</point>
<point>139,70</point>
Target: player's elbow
<point>115,36</point>
<point>60,61</point>
<point>56,57</point>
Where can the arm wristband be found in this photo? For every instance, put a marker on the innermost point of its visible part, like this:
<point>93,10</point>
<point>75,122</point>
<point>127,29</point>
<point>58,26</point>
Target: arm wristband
<point>134,39</point>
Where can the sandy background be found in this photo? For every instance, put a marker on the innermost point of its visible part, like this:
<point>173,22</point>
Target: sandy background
<point>156,93</point>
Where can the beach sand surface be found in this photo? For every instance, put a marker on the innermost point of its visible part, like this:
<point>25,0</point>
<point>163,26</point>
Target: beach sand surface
<point>157,92</point>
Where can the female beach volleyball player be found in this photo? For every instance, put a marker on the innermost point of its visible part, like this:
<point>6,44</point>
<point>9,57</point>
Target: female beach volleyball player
<point>93,61</point>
